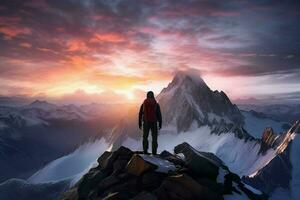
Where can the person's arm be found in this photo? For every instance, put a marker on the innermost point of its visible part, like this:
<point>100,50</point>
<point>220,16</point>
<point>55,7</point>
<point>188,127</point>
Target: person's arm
<point>141,112</point>
<point>159,118</point>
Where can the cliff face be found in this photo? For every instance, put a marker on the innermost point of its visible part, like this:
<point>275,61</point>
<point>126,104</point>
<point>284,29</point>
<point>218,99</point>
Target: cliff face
<point>186,174</point>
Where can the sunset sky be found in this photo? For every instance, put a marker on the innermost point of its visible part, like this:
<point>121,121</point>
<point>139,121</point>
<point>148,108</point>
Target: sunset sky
<point>115,50</point>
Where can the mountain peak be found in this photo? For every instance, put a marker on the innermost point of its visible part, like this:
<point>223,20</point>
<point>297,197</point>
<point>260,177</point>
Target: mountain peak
<point>188,95</point>
<point>191,75</point>
<point>42,105</point>
<point>38,102</point>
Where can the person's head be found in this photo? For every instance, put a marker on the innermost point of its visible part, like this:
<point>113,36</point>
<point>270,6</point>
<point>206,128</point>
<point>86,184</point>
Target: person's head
<point>150,94</point>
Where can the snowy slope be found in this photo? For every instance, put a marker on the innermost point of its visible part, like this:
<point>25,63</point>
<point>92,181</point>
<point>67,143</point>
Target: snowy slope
<point>255,125</point>
<point>71,166</point>
<point>17,189</point>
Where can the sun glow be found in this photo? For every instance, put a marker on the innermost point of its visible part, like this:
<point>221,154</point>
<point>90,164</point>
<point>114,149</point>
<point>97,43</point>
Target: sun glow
<point>68,88</point>
<point>128,93</point>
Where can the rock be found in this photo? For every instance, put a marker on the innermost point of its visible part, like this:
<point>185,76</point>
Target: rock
<point>129,188</point>
<point>125,175</point>
<point>124,153</point>
<point>108,182</point>
<point>137,165</point>
<point>165,154</point>
<point>172,158</point>
<point>252,195</point>
<point>70,195</point>
<point>89,182</point>
<point>188,188</point>
<point>161,193</point>
<point>119,165</point>
<point>113,196</point>
<point>107,159</point>
<point>145,196</point>
<point>102,160</point>
<point>152,180</point>
<point>212,185</point>
<point>200,164</point>
<point>170,190</point>
<point>228,180</point>
<point>175,160</point>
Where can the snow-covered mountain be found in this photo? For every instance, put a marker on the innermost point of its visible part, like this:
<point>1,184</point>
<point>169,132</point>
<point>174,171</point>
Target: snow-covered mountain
<point>205,119</point>
<point>188,101</point>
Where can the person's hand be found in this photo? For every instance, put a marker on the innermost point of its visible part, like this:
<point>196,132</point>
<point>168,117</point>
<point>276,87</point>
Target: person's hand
<point>159,126</point>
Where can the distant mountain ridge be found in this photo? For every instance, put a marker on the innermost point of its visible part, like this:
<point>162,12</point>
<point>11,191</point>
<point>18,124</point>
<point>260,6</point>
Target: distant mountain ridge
<point>39,132</point>
<point>280,112</point>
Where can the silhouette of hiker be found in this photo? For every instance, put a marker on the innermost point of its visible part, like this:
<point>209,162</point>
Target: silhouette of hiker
<point>149,116</point>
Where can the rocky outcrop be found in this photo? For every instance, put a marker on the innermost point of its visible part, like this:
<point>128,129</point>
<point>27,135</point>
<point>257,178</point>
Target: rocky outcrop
<point>269,137</point>
<point>187,174</point>
<point>279,171</point>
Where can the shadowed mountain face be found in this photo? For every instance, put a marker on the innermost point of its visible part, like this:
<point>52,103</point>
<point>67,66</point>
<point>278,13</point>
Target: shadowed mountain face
<point>188,101</point>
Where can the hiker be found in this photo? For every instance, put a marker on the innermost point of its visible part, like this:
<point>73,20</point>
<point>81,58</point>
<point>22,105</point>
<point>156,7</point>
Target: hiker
<point>149,118</point>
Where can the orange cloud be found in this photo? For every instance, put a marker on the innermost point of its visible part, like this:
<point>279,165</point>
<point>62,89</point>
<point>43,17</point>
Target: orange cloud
<point>11,32</point>
<point>76,45</point>
<point>108,37</point>
<point>25,45</point>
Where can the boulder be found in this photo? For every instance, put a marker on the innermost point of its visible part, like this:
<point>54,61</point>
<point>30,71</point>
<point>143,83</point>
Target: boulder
<point>137,166</point>
<point>188,188</point>
<point>119,165</point>
<point>175,160</point>
<point>161,193</point>
<point>102,160</point>
<point>107,159</point>
<point>90,181</point>
<point>212,185</point>
<point>108,182</point>
<point>203,165</point>
<point>127,188</point>
<point>172,158</point>
<point>165,154</point>
<point>124,153</point>
<point>145,196</point>
<point>151,180</point>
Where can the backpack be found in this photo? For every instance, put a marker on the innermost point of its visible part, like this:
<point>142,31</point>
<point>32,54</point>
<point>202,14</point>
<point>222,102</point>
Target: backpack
<point>149,108</point>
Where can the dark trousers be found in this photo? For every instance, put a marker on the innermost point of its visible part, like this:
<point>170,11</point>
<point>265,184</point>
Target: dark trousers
<point>147,126</point>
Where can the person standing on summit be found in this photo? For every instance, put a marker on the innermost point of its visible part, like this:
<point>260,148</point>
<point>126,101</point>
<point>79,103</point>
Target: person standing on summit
<point>149,118</point>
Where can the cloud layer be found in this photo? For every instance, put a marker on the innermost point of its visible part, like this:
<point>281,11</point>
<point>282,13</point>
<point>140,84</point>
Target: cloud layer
<point>55,48</point>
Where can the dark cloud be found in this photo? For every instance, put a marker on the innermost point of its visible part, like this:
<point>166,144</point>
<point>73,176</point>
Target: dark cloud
<point>232,38</point>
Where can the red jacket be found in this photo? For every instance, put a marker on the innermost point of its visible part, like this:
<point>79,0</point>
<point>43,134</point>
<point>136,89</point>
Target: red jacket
<point>150,112</point>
